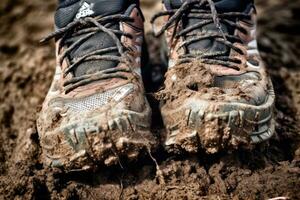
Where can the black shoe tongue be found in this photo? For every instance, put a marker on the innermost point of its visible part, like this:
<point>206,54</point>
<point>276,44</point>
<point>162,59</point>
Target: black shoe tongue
<point>221,5</point>
<point>210,45</point>
<point>67,12</point>
<point>80,9</point>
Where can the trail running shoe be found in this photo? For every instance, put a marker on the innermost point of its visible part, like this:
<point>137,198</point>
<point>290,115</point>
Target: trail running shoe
<point>217,94</point>
<point>95,111</point>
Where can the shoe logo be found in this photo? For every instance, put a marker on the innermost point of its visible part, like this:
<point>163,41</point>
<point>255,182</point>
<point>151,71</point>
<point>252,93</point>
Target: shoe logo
<point>122,92</point>
<point>85,10</point>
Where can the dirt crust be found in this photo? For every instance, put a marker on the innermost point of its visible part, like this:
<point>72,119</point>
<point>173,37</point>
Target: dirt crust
<point>269,170</point>
<point>183,79</point>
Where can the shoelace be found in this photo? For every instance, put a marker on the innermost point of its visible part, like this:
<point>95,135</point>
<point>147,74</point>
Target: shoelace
<point>188,10</point>
<point>90,26</point>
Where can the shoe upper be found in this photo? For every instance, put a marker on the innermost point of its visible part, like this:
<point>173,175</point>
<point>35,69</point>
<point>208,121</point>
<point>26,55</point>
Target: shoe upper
<point>212,50</point>
<point>98,49</point>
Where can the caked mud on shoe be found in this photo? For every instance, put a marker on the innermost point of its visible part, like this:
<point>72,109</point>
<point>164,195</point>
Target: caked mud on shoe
<point>217,94</point>
<point>95,111</point>
<point>102,137</point>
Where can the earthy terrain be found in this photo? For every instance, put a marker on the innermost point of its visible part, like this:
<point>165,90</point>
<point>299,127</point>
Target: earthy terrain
<point>270,170</point>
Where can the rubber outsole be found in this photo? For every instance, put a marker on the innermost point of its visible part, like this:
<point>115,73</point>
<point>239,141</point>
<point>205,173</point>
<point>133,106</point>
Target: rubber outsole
<point>214,126</point>
<point>89,143</point>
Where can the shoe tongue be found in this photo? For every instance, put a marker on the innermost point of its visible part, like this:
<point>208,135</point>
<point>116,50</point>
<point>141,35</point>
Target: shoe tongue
<point>210,45</point>
<point>80,9</point>
<point>221,5</point>
<point>74,9</point>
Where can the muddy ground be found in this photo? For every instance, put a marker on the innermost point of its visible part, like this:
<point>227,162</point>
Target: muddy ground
<point>26,68</point>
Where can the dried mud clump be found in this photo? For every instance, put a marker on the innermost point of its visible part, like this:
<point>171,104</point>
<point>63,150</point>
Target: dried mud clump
<point>185,79</point>
<point>188,100</point>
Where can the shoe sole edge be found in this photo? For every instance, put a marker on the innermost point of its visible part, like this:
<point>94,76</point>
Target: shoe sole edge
<point>86,144</point>
<point>213,132</point>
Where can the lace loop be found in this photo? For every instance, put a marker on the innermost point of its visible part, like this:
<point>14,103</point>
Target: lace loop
<point>188,10</point>
<point>88,27</point>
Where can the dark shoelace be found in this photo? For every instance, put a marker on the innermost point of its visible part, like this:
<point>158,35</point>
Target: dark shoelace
<point>90,26</point>
<point>188,10</point>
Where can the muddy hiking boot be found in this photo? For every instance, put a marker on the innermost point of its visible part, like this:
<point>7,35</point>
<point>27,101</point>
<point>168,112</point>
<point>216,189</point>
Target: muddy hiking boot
<point>217,94</point>
<point>95,111</point>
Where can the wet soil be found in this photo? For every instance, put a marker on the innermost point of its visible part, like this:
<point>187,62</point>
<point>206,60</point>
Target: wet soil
<point>26,68</point>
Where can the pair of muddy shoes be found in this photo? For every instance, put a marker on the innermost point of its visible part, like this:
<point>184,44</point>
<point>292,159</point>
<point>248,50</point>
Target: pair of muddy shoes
<point>216,94</point>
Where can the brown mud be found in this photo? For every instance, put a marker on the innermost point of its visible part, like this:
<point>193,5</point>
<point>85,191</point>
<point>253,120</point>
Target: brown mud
<point>26,68</point>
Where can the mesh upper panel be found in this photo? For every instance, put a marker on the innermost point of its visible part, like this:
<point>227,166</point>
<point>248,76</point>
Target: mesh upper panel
<point>98,100</point>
